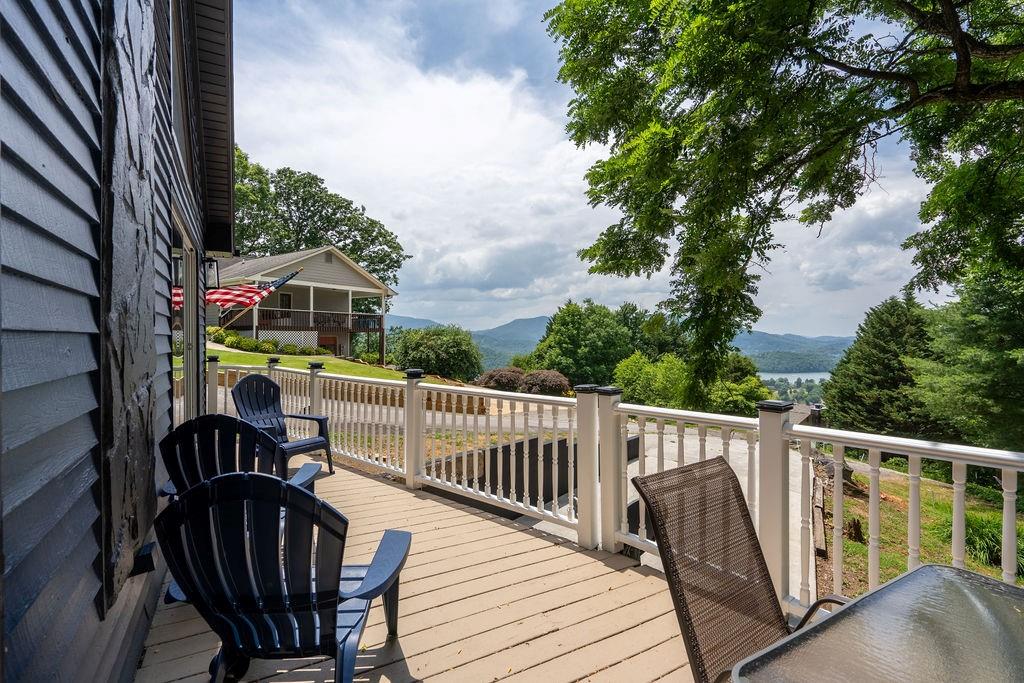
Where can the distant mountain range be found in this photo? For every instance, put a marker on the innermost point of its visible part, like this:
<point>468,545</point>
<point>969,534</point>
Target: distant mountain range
<point>497,344</point>
<point>770,352</point>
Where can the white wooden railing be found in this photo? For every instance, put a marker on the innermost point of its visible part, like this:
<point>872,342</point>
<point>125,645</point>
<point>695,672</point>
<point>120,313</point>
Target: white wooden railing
<point>540,456</point>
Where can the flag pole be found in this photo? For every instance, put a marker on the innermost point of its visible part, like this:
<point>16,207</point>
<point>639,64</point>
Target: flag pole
<point>243,311</point>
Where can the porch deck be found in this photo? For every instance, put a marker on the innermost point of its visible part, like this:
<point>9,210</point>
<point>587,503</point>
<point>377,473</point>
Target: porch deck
<point>483,598</point>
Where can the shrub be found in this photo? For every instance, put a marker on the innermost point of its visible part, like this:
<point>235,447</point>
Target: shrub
<point>233,342</point>
<point>247,344</point>
<point>267,347</point>
<point>218,337</point>
<point>212,330</point>
<point>324,351</point>
<point>307,351</point>
<point>369,357</point>
<point>502,379</point>
<point>289,349</point>
<point>547,383</point>
<point>983,538</point>
<point>448,351</point>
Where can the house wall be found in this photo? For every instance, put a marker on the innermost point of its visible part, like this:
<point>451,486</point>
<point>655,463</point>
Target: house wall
<point>316,268</point>
<point>84,330</point>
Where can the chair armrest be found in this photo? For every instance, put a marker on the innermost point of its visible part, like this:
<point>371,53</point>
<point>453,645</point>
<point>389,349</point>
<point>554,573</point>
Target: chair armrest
<point>168,490</point>
<point>321,420</point>
<point>382,571</point>
<point>306,475</point>
<point>831,598</point>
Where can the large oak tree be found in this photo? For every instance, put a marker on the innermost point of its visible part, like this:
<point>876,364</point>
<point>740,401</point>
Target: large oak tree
<point>724,117</point>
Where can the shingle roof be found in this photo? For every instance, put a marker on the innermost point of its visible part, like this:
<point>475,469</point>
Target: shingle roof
<point>247,266</point>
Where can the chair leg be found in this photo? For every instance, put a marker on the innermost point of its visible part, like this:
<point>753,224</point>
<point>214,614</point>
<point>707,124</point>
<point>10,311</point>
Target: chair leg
<point>330,460</point>
<point>345,660</point>
<point>228,665</point>
<point>390,598</point>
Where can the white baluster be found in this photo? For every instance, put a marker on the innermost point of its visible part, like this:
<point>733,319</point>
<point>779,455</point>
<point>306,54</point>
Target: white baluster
<point>874,515</point>
<point>726,434</point>
<point>1009,526</point>
<point>513,465</point>
<point>914,513</point>
<point>752,473</point>
<point>477,407</point>
<point>702,441</point>
<point>680,438</point>
<point>838,459</point>
<point>659,425</point>
<point>540,458</point>
<point>642,470</point>
<point>570,453</point>
<point>624,473</point>
<point>805,521</point>
<point>554,461</point>
<point>959,535</point>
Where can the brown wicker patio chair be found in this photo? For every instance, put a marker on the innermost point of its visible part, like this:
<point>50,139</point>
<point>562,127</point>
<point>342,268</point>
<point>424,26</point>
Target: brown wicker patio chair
<point>714,566</point>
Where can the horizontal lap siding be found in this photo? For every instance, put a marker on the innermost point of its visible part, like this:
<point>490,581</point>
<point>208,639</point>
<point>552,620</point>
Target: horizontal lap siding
<point>49,270</point>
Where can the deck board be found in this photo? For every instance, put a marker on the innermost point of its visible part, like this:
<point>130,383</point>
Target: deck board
<point>484,598</point>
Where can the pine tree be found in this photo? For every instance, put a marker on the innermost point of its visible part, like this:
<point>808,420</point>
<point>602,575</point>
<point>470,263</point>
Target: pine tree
<point>869,390</point>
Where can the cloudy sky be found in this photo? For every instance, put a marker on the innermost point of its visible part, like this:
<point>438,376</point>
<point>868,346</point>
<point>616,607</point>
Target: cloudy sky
<point>446,121</point>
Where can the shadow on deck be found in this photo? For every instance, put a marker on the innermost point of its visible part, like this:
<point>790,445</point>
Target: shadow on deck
<point>483,598</point>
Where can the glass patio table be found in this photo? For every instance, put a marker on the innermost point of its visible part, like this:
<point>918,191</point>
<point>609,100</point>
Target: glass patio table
<point>932,624</point>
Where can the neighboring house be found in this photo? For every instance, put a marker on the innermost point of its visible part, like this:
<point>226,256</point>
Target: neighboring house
<point>315,308</point>
<point>116,184</point>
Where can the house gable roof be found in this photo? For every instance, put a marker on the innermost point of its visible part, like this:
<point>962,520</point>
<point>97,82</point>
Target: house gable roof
<point>249,267</point>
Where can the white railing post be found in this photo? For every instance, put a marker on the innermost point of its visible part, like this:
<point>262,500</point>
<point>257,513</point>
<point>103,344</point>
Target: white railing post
<point>413,439</point>
<point>612,460</point>
<point>587,517</point>
<point>315,368</point>
<point>212,382</point>
<point>773,491</point>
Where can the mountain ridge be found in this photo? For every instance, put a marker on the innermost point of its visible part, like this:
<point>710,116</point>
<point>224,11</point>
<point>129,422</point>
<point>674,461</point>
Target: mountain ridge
<point>770,351</point>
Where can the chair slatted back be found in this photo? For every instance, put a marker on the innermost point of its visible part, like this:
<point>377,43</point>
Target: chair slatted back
<point>258,401</point>
<point>209,445</point>
<point>261,561</point>
<point>716,572</point>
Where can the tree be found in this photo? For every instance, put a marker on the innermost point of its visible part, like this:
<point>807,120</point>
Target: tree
<point>737,368</point>
<point>288,210</point>
<point>870,387</point>
<point>974,377</point>
<point>584,342</point>
<point>448,351</point>
<point>723,118</point>
<point>653,333</point>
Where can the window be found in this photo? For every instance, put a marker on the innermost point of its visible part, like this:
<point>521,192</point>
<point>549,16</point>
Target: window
<point>285,300</point>
<point>328,257</point>
<point>185,325</point>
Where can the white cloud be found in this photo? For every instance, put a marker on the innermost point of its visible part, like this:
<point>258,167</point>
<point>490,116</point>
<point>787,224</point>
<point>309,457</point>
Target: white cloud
<point>474,173</point>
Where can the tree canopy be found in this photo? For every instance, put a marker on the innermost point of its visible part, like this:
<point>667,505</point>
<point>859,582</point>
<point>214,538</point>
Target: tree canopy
<point>973,377</point>
<point>287,210</point>
<point>723,118</point>
<point>869,390</point>
<point>583,341</point>
<point>445,350</point>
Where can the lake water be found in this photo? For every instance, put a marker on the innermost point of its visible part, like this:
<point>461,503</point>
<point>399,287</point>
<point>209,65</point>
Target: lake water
<point>792,376</point>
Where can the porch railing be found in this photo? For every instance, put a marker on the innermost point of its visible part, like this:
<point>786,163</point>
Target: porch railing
<point>286,319</point>
<point>545,457</point>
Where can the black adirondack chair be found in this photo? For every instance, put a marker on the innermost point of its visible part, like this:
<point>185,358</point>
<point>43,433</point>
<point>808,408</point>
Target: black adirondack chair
<point>209,445</point>
<point>261,560</point>
<point>258,401</point>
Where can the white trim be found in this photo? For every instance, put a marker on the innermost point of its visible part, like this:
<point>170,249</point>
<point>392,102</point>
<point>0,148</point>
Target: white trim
<point>302,283</point>
<point>262,275</point>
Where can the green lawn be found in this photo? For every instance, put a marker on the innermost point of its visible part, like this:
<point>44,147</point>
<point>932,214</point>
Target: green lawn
<point>936,513</point>
<point>333,365</point>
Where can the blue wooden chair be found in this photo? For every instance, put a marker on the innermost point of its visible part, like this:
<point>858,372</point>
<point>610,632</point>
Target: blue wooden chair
<point>258,401</point>
<point>261,560</point>
<point>210,445</point>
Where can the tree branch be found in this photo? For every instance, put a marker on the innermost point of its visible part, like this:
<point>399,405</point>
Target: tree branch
<point>960,45</point>
<point>985,50</point>
<point>864,72</point>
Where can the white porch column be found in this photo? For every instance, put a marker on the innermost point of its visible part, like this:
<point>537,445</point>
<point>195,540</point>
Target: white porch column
<point>412,428</point>
<point>612,460</point>
<point>311,313</point>
<point>773,491</point>
<point>588,516</point>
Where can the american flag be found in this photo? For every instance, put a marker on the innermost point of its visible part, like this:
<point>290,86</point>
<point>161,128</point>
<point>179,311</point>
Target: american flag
<point>236,295</point>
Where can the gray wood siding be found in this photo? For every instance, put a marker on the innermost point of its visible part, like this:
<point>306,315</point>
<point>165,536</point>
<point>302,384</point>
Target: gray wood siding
<point>51,167</point>
<point>316,269</point>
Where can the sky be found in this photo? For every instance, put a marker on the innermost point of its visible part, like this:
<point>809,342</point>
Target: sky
<point>445,120</point>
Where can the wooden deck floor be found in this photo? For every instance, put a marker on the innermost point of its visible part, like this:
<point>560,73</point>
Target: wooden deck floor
<point>482,599</point>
